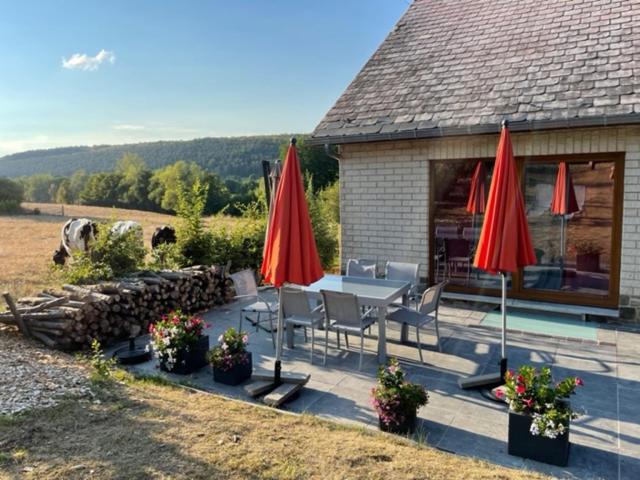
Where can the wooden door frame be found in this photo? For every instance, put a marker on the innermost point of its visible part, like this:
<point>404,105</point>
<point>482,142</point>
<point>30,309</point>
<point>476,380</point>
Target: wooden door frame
<point>611,300</point>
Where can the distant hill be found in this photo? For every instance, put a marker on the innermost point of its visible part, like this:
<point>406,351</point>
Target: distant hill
<point>228,156</point>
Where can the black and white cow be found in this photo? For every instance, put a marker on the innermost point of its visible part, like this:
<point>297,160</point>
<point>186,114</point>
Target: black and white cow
<point>162,235</point>
<point>77,235</point>
<point>124,226</point>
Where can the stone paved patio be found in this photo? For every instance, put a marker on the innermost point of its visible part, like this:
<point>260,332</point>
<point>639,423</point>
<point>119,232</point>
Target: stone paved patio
<point>606,439</point>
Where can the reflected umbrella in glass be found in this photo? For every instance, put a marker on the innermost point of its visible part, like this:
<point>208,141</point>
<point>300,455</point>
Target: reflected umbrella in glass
<point>476,201</point>
<point>563,202</point>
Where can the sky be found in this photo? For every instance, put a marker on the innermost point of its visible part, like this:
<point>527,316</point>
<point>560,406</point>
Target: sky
<point>105,72</point>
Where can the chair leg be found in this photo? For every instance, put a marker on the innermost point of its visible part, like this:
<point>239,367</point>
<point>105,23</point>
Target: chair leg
<point>338,337</point>
<point>257,321</point>
<point>326,344</point>
<point>305,335</point>
<point>313,342</point>
<point>361,350</point>
<point>240,323</point>
<point>438,334</point>
<point>346,340</point>
<point>419,344</point>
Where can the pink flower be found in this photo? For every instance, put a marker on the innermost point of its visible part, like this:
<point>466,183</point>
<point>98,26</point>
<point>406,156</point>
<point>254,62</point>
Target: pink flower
<point>499,393</point>
<point>520,389</point>
<point>528,402</point>
<point>245,339</point>
<point>579,382</point>
<point>393,369</point>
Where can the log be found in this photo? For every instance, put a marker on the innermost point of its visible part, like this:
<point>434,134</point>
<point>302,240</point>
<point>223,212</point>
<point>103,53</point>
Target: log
<point>43,306</point>
<point>12,306</point>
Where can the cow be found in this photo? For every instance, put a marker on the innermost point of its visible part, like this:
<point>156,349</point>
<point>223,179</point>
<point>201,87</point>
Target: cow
<point>165,234</point>
<point>124,226</point>
<point>77,235</point>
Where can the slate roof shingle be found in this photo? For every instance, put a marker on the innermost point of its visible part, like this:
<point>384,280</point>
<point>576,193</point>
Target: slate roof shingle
<point>461,66</point>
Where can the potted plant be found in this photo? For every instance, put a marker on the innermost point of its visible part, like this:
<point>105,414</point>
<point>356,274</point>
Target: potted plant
<point>395,400</point>
<point>232,363</point>
<point>539,414</point>
<point>588,256</point>
<point>179,343</point>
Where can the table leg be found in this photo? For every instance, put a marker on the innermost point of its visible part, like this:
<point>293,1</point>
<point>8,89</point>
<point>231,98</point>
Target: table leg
<point>289,331</point>
<point>382,335</point>
<point>404,328</point>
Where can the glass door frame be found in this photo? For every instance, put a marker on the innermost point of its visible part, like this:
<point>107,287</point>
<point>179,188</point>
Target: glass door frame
<point>611,300</point>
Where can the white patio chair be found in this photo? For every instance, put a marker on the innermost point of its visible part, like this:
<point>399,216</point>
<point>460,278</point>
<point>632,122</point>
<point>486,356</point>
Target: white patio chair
<point>342,314</point>
<point>297,311</point>
<point>426,313</point>
<point>246,287</point>
<point>361,268</point>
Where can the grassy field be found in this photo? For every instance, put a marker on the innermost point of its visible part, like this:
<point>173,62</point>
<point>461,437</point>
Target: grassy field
<point>142,429</point>
<point>28,241</point>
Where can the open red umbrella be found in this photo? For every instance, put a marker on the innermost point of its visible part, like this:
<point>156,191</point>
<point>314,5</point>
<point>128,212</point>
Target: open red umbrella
<point>504,244</point>
<point>290,253</point>
<point>564,200</point>
<point>476,201</point>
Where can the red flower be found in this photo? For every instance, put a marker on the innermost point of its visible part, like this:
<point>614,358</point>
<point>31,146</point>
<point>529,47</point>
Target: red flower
<point>579,382</point>
<point>520,389</point>
<point>520,379</point>
<point>499,393</point>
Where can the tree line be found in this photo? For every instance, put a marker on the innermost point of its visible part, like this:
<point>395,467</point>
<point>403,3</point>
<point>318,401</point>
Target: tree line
<point>132,184</point>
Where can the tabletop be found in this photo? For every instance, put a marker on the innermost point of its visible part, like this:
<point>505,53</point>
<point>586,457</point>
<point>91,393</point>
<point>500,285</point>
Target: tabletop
<point>374,290</point>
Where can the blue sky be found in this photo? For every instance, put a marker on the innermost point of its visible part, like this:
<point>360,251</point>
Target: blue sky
<point>91,72</point>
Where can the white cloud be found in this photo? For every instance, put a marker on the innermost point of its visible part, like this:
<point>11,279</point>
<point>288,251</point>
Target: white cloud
<point>82,61</point>
<point>128,126</point>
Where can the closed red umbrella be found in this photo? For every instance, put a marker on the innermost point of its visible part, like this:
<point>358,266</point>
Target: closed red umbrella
<point>505,243</point>
<point>564,200</point>
<point>290,254</point>
<point>477,195</point>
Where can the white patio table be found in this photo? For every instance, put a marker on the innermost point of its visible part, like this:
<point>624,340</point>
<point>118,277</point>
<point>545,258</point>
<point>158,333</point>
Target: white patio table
<point>370,291</point>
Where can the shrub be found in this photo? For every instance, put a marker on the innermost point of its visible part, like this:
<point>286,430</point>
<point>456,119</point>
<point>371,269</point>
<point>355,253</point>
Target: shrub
<point>325,230</point>
<point>166,256</point>
<point>240,242</point>
<point>111,256</point>
<point>11,196</point>
<point>232,350</point>
<point>195,244</point>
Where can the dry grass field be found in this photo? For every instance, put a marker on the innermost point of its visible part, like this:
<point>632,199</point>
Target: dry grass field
<point>27,242</point>
<point>140,429</point>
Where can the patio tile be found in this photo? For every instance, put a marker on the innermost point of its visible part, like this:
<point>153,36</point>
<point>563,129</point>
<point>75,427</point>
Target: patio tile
<point>457,420</point>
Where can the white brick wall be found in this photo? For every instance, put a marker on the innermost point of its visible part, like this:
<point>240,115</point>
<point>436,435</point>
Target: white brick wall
<point>385,197</point>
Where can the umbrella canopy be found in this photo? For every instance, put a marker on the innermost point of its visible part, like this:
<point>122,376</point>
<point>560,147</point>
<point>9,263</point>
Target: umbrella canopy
<point>564,200</point>
<point>476,201</point>
<point>290,254</point>
<point>505,242</point>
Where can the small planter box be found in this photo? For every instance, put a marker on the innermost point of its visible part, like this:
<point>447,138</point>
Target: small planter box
<point>406,427</point>
<point>554,451</point>
<point>189,361</point>
<point>236,375</point>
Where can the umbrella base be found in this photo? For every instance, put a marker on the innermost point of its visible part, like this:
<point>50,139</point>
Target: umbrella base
<point>277,392</point>
<point>488,380</point>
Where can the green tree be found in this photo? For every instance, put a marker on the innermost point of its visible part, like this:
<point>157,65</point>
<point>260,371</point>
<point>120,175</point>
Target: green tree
<point>102,189</point>
<point>325,230</point>
<point>134,185</point>
<point>164,185</point>
<point>38,188</point>
<point>11,195</point>
<point>194,242</point>
<point>218,195</point>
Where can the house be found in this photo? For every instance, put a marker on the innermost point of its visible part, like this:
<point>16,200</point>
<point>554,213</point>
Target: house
<point>424,113</point>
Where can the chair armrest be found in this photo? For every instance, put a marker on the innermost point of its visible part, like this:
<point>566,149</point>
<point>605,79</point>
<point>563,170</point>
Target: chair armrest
<point>368,312</point>
<point>266,287</point>
<point>243,296</point>
<point>402,307</point>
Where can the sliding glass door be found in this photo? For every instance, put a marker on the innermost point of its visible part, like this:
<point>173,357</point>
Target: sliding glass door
<point>574,208</point>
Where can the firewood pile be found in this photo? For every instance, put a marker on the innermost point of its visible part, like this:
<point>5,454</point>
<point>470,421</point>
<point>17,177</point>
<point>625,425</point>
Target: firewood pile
<point>73,317</point>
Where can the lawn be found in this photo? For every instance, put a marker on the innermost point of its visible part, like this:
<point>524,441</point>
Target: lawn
<point>145,429</point>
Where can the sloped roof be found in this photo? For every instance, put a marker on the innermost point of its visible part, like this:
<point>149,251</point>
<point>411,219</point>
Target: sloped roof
<point>461,66</point>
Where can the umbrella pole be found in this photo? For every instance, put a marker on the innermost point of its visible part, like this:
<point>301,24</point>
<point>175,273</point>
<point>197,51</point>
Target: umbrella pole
<point>277,374</point>
<point>503,309</point>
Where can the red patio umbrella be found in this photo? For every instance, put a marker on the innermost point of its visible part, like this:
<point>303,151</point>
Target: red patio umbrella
<point>564,200</point>
<point>290,253</point>
<point>505,243</point>
<point>476,201</point>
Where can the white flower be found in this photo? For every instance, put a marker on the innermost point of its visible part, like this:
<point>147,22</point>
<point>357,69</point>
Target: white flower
<point>220,338</point>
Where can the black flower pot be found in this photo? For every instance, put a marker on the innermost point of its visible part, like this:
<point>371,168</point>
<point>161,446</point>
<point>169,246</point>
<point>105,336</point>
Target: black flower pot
<point>189,360</point>
<point>403,428</point>
<point>554,451</point>
<point>236,375</point>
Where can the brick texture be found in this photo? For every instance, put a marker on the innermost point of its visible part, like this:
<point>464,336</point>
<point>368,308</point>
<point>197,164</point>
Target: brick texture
<point>385,192</point>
